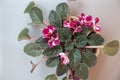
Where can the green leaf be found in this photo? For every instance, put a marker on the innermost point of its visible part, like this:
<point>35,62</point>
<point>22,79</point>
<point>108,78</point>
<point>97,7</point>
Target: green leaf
<point>95,39</point>
<point>42,42</point>
<point>81,40</point>
<point>64,34</point>
<point>23,34</point>
<point>61,69</point>
<point>62,10</point>
<point>36,15</point>
<point>69,45</point>
<point>89,58</point>
<point>86,30</point>
<point>51,77</point>
<point>65,78</point>
<point>52,51</point>
<point>111,48</point>
<point>28,8</point>
<point>82,71</point>
<point>32,49</point>
<point>75,58</point>
<point>55,19</point>
<point>52,61</point>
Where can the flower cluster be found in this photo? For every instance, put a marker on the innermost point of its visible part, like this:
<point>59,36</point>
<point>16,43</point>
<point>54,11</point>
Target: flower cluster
<point>88,21</point>
<point>73,25</point>
<point>64,58</point>
<point>76,25</point>
<point>49,33</point>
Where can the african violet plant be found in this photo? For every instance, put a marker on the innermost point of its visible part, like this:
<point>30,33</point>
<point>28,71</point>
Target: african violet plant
<point>68,42</point>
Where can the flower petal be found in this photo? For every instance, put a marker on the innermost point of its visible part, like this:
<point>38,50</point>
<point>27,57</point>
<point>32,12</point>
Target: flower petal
<point>97,28</point>
<point>96,20</point>
<point>89,18</point>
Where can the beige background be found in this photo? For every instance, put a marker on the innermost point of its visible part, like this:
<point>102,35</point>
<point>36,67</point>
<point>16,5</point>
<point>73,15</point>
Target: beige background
<point>107,68</point>
<point>14,63</point>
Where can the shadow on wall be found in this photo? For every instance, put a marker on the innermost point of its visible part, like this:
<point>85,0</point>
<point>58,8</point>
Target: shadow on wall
<point>95,71</point>
<point>77,9</point>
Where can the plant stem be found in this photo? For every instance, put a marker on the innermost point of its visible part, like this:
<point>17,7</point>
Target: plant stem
<point>69,72</point>
<point>94,47</point>
<point>35,65</point>
<point>32,39</point>
<point>45,23</point>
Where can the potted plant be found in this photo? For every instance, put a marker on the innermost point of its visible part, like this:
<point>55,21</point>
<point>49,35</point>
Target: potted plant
<point>69,43</point>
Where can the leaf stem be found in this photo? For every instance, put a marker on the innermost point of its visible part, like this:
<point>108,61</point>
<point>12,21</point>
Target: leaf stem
<point>32,39</point>
<point>45,23</point>
<point>35,65</point>
<point>94,47</point>
<point>69,72</point>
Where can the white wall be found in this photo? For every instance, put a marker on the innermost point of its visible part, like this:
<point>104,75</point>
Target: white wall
<point>14,63</point>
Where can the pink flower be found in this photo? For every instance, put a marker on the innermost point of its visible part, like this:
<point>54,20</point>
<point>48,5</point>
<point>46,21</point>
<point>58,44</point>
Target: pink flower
<point>73,26</point>
<point>64,58</point>
<point>69,25</point>
<point>53,41</point>
<point>50,36</point>
<point>45,32</point>
<point>51,28</point>
<point>77,29</point>
<point>85,20</point>
<point>48,31</point>
<point>96,27</point>
<point>66,24</point>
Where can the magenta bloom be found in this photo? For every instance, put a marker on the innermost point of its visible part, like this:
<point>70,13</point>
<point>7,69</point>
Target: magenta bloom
<point>77,29</point>
<point>66,24</point>
<point>64,58</point>
<point>73,26</point>
<point>96,27</point>
<point>85,20</point>
<point>48,31</point>
<point>50,35</point>
<point>53,41</point>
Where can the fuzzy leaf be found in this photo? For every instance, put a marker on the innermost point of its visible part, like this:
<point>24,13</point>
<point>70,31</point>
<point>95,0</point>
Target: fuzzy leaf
<point>23,34</point>
<point>95,39</point>
<point>64,34</point>
<point>111,48</point>
<point>81,40</point>
<point>28,8</point>
<point>32,49</point>
<point>82,71</point>
<point>36,15</point>
<point>65,78</point>
<point>89,58</point>
<point>52,51</point>
<point>86,30</point>
<point>75,58</point>
<point>42,42</point>
<point>61,69</point>
<point>55,19</point>
<point>69,45</point>
<point>51,77</point>
<point>52,61</point>
<point>62,10</point>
